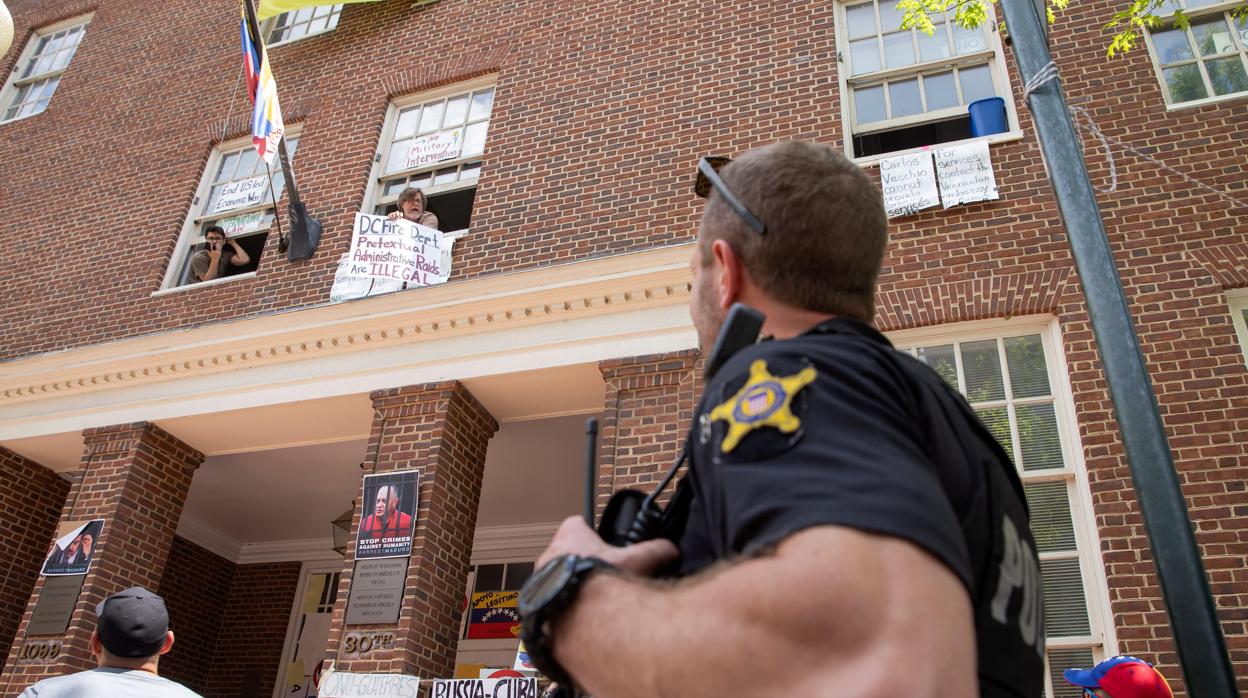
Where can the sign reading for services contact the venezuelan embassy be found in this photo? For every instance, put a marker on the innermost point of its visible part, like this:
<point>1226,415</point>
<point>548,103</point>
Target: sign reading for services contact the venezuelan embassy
<point>485,688</point>
<point>389,518</point>
<point>392,252</point>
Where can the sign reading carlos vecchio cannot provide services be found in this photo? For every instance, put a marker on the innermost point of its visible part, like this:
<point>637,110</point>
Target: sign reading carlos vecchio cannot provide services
<point>908,183</point>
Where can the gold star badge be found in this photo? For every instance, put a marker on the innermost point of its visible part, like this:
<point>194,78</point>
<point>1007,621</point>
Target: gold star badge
<point>764,401</point>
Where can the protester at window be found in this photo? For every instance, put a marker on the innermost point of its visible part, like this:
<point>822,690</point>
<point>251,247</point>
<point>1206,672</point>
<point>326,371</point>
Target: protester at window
<point>131,635</point>
<point>1120,677</point>
<point>218,255</point>
<point>846,526</point>
<point>413,207</point>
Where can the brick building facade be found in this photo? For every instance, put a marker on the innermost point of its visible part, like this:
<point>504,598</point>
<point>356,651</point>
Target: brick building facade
<point>219,427</point>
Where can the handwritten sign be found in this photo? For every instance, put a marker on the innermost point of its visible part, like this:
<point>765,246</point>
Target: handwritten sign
<point>485,688</point>
<point>908,183</point>
<point>394,252</point>
<point>965,174</point>
<point>244,192</point>
<point>241,225</point>
<point>435,147</point>
<point>344,684</point>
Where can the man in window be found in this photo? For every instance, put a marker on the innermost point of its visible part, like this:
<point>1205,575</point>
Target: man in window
<point>412,207</point>
<point>214,260</point>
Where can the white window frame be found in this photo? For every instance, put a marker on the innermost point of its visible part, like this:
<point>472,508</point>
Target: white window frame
<point>296,612</point>
<point>373,195</point>
<point>189,237</point>
<point>1102,641</point>
<point>1198,13</point>
<point>994,54</point>
<point>268,25</point>
<point>1238,302</point>
<point>13,83</point>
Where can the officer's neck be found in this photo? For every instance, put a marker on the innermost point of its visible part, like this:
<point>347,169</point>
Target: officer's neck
<point>785,321</point>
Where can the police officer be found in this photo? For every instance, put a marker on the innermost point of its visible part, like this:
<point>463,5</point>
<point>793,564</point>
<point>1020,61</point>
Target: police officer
<point>846,526</point>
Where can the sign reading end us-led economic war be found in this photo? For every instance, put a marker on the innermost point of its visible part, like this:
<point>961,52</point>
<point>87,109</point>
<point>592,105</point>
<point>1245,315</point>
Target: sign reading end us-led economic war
<point>390,253</point>
<point>485,688</point>
<point>389,518</point>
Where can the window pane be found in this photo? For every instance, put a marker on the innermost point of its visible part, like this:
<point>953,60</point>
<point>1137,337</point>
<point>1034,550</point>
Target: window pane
<point>470,171</point>
<point>1184,83</point>
<point>317,25</point>
<point>936,46</point>
<point>1065,611</point>
<point>905,98</point>
<point>1241,26</point>
<point>861,20</point>
<point>446,175</point>
<point>976,84</point>
<point>864,56</point>
<point>997,420</point>
<point>1213,37</point>
<point>1062,659</point>
<point>981,368</point>
<point>1025,358</point>
<point>406,126</point>
<point>898,50</point>
<point>869,104</point>
<point>422,180</point>
<point>969,40</point>
<point>890,16</point>
<point>1050,516</point>
<point>431,117</point>
<point>394,186</point>
<point>489,578</point>
<point>1202,3</point>
<point>398,156</point>
<point>228,164</point>
<point>942,361</point>
<point>940,90</point>
<point>474,138</point>
<point>1171,46</point>
<point>517,572</point>
<point>482,103</point>
<point>456,111</point>
<point>1037,437</point>
<point>249,162</point>
<point>1227,75</point>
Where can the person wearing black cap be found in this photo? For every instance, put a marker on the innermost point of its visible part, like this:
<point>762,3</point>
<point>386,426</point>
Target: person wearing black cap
<point>133,632</point>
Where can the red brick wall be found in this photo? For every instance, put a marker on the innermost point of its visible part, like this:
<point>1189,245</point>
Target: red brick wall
<point>31,497</point>
<point>253,631</point>
<point>196,588</point>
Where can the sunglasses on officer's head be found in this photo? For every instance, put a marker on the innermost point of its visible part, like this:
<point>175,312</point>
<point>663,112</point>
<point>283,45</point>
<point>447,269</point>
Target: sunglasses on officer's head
<point>708,176</point>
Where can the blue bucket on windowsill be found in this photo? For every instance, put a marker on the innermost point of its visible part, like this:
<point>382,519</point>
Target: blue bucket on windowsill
<point>987,116</point>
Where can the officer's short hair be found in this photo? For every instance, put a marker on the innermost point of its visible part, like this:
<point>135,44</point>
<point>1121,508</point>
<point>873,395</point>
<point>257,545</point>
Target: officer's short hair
<point>826,227</point>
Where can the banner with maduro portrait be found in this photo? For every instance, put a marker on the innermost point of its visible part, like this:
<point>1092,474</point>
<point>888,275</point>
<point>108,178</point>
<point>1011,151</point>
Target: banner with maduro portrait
<point>389,517</point>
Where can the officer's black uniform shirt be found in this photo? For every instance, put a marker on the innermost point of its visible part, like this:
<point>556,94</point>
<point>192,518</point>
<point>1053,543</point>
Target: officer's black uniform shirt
<point>835,427</point>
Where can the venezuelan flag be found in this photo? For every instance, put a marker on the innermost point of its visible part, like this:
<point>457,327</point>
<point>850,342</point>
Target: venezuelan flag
<point>266,114</point>
<point>273,8</point>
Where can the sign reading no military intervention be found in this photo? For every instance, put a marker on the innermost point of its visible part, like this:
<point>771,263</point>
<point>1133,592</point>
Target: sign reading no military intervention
<point>965,174</point>
<point>391,252</point>
<point>485,688</point>
<point>908,183</point>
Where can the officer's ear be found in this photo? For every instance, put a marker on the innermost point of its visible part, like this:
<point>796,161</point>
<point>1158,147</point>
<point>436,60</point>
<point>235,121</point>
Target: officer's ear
<point>729,274</point>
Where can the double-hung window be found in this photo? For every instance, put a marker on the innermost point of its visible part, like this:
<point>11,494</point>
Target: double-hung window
<point>903,89</point>
<point>236,194</point>
<point>435,142</point>
<point>1009,374</point>
<point>40,67</point>
<point>298,24</point>
<point>1207,61</point>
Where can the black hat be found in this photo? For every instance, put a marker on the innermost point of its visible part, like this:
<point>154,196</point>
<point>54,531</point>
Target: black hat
<point>133,623</point>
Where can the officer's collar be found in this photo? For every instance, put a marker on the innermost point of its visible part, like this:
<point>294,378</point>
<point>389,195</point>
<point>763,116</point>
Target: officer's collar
<point>848,325</point>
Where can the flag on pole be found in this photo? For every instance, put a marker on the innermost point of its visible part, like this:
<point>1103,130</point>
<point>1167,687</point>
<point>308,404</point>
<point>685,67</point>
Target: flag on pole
<point>273,8</point>
<point>266,113</point>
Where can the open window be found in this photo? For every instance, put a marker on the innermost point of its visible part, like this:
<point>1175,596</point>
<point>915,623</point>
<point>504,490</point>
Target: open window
<point>902,89</point>
<point>39,69</point>
<point>299,24</point>
<point>435,142</point>
<point>236,194</point>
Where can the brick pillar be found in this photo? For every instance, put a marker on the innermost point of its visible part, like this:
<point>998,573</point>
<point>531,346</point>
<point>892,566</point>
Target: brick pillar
<point>442,430</point>
<point>650,400</point>
<point>135,477</point>
<point>31,498</point>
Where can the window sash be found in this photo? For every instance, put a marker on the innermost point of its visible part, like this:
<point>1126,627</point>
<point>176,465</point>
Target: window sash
<point>1196,15</point>
<point>300,21</point>
<point>26,91</point>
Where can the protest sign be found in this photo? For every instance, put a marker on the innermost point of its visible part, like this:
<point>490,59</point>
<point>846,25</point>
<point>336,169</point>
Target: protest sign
<point>345,684</point>
<point>244,192</point>
<point>347,286</point>
<point>494,616</point>
<point>74,548</point>
<point>435,147</point>
<point>385,254</point>
<point>246,223</point>
<point>485,688</point>
<point>908,183</point>
<point>523,661</point>
<point>965,174</point>
<point>390,500</point>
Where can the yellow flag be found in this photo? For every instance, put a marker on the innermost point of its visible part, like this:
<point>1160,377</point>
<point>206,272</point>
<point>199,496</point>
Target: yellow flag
<point>273,8</point>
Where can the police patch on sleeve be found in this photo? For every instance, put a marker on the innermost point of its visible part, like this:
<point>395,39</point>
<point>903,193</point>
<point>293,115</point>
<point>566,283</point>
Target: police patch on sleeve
<point>765,401</point>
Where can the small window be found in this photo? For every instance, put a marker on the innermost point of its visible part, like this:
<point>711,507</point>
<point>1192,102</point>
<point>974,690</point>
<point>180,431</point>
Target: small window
<point>40,67</point>
<point>1205,62</point>
<point>435,142</point>
<point>490,613</point>
<point>903,89</point>
<point>297,24</point>
<point>236,194</point>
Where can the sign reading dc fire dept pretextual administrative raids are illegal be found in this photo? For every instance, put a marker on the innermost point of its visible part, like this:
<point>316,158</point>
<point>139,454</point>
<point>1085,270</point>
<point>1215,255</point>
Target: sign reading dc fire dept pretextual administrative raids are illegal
<point>393,252</point>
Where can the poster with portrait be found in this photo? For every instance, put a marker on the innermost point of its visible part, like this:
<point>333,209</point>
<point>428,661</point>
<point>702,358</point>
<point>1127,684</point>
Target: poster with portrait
<point>73,549</point>
<point>389,517</point>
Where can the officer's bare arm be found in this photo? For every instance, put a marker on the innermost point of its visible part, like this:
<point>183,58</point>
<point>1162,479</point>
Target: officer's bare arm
<point>832,612</point>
